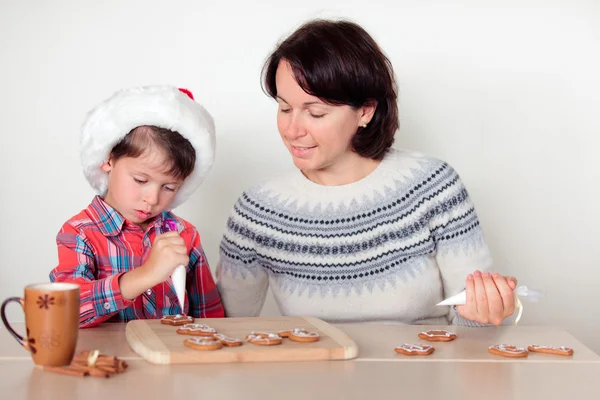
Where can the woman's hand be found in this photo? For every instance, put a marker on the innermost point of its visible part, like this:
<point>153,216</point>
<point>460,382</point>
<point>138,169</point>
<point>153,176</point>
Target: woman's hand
<point>490,298</point>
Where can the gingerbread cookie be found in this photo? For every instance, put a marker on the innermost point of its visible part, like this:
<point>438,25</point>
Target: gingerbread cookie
<point>203,343</point>
<point>263,339</point>
<point>300,335</point>
<point>437,336</point>
<point>559,351</point>
<point>196,330</point>
<point>506,350</point>
<point>176,320</point>
<point>414,349</point>
<point>228,341</point>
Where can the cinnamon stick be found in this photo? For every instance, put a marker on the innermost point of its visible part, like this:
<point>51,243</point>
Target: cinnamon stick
<point>107,359</point>
<point>111,370</point>
<point>104,365</point>
<point>122,366</point>
<point>65,371</point>
<point>99,373</point>
<point>92,371</point>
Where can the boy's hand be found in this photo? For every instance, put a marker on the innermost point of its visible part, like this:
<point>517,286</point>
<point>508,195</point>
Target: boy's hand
<point>168,252</point>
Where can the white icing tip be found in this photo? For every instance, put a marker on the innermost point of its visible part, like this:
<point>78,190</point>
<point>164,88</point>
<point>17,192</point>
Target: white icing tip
<point>455,300</point>
<point>178,278</point>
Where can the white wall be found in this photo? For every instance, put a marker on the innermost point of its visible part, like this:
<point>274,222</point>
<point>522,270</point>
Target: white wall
<point>508,93</point>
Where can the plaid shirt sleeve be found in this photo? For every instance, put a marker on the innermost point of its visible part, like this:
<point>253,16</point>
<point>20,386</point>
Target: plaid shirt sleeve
<point>100,299</point>
<point>203,296</point>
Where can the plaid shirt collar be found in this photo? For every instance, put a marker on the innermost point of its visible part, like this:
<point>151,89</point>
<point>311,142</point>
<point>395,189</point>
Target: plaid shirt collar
<point>111,223</point>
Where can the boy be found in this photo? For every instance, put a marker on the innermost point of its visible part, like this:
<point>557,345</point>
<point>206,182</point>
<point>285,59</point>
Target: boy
<point>144,150</point>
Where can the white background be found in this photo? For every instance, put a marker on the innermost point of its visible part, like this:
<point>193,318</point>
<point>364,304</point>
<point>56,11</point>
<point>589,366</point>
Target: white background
<point>508,92</point>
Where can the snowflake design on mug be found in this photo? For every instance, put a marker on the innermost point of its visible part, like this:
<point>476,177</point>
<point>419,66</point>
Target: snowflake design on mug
<point>45,302</point>
<point>49,340</point>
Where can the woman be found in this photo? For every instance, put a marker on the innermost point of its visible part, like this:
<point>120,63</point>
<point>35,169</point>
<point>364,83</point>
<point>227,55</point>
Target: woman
<point>360,231</point>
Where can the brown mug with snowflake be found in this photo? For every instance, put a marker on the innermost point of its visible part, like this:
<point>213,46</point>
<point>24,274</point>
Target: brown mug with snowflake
<point>51,320</point>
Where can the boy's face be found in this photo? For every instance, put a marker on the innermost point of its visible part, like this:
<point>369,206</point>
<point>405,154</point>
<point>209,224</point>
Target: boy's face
<point>138,188</point>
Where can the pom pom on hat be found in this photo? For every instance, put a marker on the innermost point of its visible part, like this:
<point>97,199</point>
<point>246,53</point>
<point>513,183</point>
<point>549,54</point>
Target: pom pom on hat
<point>162,106</point>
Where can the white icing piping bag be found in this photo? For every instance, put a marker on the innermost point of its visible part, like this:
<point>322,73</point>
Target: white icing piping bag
<point>522,291</point>
<point>179,274</point>
<point>178,278</point>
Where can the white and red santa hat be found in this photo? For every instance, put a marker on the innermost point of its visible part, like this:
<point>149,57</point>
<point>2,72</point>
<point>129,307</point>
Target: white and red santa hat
<point>162,106</point>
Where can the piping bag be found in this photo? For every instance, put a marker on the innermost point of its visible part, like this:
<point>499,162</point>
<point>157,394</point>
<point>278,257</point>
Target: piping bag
<point>178,275</point>
<point>520,292</point>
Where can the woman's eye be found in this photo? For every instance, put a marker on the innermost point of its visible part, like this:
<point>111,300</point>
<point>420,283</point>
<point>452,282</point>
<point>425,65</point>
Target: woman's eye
<point>284,110</point>
<point>317,115</point>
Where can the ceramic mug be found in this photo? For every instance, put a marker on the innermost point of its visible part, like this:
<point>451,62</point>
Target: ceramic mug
<point>51,321</point>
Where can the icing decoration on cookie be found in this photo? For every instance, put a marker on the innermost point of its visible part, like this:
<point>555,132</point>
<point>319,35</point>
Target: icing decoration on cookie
<point>560,351</point>
<point>300,335</point>
<point>178,319</point>
<point>203,343</point>
<point>228,341</point>
<point>437,336</point>
<point>507,350</point>
<point>196,330</point>
<point>263,338</point>
<point>414,349</point>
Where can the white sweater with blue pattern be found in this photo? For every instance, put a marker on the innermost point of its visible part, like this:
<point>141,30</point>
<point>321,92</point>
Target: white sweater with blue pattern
<point>386,248</point>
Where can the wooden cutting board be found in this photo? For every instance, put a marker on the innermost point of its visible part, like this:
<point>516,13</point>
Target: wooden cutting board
<point>160,344</point>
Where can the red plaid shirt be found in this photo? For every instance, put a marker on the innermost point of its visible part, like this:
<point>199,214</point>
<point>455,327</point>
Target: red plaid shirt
<point>97,246</point>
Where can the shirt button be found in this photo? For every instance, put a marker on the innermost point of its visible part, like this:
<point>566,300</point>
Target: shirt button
<point>149,292</point>
<point>106,306</point>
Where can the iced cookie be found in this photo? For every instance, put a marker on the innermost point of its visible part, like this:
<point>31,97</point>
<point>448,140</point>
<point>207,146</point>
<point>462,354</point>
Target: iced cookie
<point>506,350</point>
<point>559,351</point>
<point>263,339</point>
<point>176,320</point>
<point>203,343</point>
<point>228,341</point>
<point>300,335</point>
<point>196,330</point>
<point>414,349</point>
<point>437,336</point>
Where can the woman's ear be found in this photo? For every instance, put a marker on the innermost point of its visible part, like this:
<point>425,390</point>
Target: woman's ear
<point>368,110</point>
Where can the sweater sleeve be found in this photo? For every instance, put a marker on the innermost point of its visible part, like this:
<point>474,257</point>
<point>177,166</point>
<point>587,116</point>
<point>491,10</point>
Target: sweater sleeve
<point>460,246</point>
<point>241,280</point>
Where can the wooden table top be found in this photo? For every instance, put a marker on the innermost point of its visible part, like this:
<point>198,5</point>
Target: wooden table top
<point>460,369</point>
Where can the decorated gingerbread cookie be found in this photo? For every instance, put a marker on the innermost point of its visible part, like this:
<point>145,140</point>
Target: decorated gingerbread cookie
<point>414,349</point>
<point>300,335</point>
<point>203,343</point>
<point>507,350</point>
<point>176,320</point>
<point>263,338</point>
<point>437,336</point>
<point>228,341</point>
<point>196,330</point>
<point>559,351</point>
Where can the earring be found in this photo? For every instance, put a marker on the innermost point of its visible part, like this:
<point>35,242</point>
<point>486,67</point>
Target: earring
<point>363,125</point>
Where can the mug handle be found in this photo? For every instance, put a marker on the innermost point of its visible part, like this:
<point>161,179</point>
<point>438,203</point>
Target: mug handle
<point>22,342</point>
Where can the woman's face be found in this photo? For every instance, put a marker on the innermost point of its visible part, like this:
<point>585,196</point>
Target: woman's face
<point>316,134</point>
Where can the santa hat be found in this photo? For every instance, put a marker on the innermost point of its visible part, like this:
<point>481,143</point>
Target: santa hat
<point>162,106</point>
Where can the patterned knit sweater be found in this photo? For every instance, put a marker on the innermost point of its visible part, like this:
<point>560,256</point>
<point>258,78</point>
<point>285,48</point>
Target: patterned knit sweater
<point>385,248</point>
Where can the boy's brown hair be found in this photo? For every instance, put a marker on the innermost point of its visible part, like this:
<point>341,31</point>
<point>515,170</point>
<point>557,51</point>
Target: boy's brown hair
<point>178,151</point>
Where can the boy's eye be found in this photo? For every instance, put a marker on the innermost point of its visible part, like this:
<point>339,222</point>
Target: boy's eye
<point>139,180</point>
<point>170,189</point>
